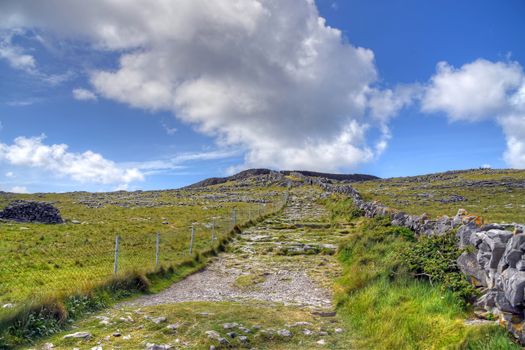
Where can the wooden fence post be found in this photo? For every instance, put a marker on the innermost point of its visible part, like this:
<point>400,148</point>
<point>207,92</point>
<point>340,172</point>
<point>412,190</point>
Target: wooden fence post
<point>115,265</point>
<point>192,237</point>
<point>157,250</point>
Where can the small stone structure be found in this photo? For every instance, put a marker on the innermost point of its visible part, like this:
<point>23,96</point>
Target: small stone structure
<point>30,211</point>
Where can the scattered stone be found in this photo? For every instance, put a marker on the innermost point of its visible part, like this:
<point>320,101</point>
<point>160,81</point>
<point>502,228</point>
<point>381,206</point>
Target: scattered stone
<point>78,335</point>
<point>223,341</point>
<point>104,320</point>
<point>307,332</point>
<point>151,346</point>
<point>48,346</point>
<point>284,333</point>
<point>322,334</point>
<point>213,335</point>
<point>324,313</point>
<point>338,330</point>
<point>300,324</point>
<point>245,330</point>
<point>173,327</point>
<point>8,306</point>
<point>117,334</point>
<point>231,334</point>
<point>244,339</point>
<point>97,347</point>
<point>156,320</point>
<point>321,342</point>
<point>127,319</point>
<point>230,325</point>
<point>76,222</point>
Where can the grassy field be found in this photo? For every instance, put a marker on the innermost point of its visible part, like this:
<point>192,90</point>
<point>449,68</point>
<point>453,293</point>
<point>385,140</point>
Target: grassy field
<point>38,259</point>
<point>385,307</point>
<point>496,195</point>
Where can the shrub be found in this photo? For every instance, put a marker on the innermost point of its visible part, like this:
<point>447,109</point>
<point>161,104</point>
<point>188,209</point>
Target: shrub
<point>434,258</point>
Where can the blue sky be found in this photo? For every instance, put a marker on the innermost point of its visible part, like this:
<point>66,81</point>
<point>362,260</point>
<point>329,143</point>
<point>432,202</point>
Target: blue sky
<point>98,97</point>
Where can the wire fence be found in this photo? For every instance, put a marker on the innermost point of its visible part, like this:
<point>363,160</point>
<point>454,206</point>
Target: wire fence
<point>60,264</point>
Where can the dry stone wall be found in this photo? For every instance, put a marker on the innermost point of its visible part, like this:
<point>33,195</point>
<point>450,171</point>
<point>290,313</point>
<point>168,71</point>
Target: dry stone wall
<point>493,257</point>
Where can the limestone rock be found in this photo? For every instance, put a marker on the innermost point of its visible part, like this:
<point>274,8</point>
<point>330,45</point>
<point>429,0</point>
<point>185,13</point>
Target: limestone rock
<point>30,211</point>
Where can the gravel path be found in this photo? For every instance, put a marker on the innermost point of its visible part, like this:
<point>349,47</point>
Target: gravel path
<point>285,259</point>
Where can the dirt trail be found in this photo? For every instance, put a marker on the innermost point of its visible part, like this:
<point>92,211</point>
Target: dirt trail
<point>285,259</point>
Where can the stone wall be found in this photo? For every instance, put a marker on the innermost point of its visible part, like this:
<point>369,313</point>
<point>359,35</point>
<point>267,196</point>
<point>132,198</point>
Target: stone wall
<point>493,257</point>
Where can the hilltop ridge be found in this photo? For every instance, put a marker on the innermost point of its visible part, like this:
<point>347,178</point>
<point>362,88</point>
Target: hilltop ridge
<point>280,174</point>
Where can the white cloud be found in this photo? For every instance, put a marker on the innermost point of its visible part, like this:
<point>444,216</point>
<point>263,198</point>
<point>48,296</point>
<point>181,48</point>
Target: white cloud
<point>84,95</point>
<point>19,189</point>
<point>177,161</point>
<point>483,90</point>
<point>83,167</point>
<point>15,55</point>
<point>9,174</point>
<point>267,76</point>
<point>477,90</point>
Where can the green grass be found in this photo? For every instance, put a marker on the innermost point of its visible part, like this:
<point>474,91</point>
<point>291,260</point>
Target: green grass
<point>41,260</point>
<point>248,281</point>
<point>488,193</point>
<point>385,307</point>
<point>198,317</point>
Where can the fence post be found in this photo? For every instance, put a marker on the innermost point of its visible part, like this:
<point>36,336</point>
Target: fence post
<point>192,237</point>
<point>234,216</point>
<point>157,250</point>
<point>213,230</point>
<point>115,265</point>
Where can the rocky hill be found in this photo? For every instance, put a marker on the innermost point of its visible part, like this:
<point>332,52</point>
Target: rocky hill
<point>280,175</point>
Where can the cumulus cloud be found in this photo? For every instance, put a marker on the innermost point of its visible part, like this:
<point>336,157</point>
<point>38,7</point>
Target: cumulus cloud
<point>15,55</point>
<point>84,95</point>
<point>83,167</point>
<point>477,90</point>
<point>483,90</point>
<point>268,76</point>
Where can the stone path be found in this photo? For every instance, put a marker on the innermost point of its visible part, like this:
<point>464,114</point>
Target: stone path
<point>286,259</point>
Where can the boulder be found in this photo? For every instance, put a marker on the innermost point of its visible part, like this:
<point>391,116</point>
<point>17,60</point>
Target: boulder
<point>464,233</point>
<point>30,211</point>
<point>469,265</point>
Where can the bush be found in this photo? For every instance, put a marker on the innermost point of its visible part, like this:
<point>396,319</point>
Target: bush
<point>434,258</point>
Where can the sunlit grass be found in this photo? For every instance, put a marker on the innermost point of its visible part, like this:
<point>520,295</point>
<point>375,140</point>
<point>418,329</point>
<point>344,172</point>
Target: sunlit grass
<point>488,193</point>
<point>39,259</point>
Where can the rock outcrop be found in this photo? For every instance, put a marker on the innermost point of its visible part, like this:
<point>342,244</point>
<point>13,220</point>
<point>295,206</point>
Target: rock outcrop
<point>30,211</point>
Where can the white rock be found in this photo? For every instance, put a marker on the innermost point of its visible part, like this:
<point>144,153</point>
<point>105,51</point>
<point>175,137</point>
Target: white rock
<point>213,335</point>
<point>284,333</point>
<point>78,335</point>
<point>151,346</point>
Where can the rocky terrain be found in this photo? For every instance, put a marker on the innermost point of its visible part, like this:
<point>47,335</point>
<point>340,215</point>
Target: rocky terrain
<point>287,259</point>
<point>31,211</point>
<point>288,263</point>
<point>284,263</point>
